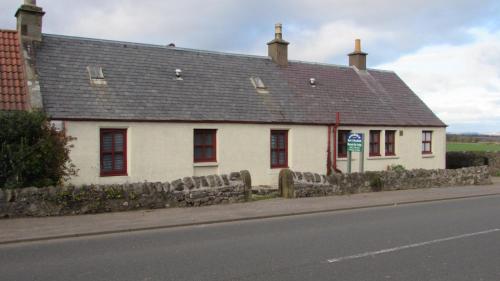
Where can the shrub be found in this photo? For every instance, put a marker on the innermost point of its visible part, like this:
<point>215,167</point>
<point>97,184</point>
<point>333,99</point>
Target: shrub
<point>32,152</point>
<point>397,168</point>
<point>376,182</point>
<point>457,160</point>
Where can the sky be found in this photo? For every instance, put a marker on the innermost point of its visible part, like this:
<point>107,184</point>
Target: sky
<point>447,51</point>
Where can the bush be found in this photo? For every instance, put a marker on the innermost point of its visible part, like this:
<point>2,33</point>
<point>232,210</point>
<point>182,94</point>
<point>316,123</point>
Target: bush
<point>457,160</point>
<point>397,168</point>
<point>376,182</point>
<point>32,152</point>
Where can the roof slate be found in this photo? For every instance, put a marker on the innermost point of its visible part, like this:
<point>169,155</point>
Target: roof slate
<point>13,92</point>
<point>141,85</point>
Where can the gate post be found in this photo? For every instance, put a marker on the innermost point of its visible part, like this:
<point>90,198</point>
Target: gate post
<point>286,187</point>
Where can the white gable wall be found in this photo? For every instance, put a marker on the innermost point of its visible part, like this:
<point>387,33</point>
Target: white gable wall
<point>164,151</point>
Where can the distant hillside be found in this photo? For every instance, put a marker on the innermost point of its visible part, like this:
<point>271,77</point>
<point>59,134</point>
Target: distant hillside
<point>472,138</point>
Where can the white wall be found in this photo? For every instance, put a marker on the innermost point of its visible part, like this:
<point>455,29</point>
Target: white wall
<point>164,151</point>
<point>408,150</point>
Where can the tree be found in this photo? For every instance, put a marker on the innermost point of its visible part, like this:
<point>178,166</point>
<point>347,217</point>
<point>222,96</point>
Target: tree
<point>32,152</point>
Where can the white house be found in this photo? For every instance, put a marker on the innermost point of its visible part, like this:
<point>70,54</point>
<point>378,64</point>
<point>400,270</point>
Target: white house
<point>144,112</point>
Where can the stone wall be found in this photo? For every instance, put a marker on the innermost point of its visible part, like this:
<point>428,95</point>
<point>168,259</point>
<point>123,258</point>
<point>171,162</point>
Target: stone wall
<point>455,160</point>
<point>88,199</point>
<point>297,184</point>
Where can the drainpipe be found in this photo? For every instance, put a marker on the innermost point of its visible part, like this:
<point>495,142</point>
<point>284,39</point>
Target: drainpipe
<point>329,152</point>
<point>335,128</point>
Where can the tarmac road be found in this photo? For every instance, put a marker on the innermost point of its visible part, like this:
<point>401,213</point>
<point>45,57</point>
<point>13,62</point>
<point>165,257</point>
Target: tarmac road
<point>445,240</point>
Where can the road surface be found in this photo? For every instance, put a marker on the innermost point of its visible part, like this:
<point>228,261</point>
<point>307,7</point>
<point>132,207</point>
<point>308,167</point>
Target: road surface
<point>447,240</point>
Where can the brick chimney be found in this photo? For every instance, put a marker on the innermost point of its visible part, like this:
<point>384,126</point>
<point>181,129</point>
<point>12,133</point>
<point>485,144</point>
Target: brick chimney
<point>29,21</point>
<point>278,48</point>
<point>358,58</point>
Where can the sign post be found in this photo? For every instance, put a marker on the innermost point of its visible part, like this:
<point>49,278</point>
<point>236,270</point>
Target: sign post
<point>354,144</point>
<point>362,154</point>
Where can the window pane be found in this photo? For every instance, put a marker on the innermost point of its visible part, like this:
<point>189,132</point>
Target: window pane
<point>427,136</point>
<point>274,158</point>
<point>273,141</point>
<point>198,153</point>
<point>208,139</point>
<point>389,148</point>
<point>282,158</point>
<point>107,162</point>
<point>342,149</point>
<point>118,161</point>
<point>107,142</point>
<point>281,141</point>
<point>389,136</point>
<point>208,152</point>
<point>198,139</point>
<point>119,142</point>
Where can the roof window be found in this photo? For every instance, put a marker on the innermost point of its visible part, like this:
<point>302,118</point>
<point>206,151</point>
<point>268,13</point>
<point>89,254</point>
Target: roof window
<point>259,85</point>
<point>96,75</point>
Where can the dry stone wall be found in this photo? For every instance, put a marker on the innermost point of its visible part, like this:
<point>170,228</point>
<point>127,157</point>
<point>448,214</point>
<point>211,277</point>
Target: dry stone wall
<point>88,199</point>
<point>298,184</point>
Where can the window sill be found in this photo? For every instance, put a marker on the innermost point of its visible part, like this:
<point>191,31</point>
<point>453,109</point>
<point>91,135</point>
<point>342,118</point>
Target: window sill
<point>383,157</point>
<point>391,157</point>
<point>114,175</point>
<point>345,159</point>
<point>277,168</point>
<point>206,164</point>
<point>428,155</point>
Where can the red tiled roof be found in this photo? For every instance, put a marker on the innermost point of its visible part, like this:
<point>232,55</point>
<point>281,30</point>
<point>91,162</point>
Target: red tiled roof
<point>13,91</point>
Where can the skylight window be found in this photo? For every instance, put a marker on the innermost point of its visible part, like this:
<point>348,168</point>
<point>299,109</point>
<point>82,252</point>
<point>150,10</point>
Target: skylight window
<point>95,72</point>
<point>96,75</point>
<point>259,85</point>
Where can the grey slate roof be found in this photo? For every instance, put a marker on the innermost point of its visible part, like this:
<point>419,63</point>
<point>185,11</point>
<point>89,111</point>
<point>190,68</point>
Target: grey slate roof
<point>141,85</point>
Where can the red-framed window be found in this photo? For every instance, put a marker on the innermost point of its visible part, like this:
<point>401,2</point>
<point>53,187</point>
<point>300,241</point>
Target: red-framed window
<point>113,152</point>
<point>279,149</point>
<point>390,143</point>
<point>374,143</point>
<point>342,143</point>
<point>426,142</point>
<point>205,145</point>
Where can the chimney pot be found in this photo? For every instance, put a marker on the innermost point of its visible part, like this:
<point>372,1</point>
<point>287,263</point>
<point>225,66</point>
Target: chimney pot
<point>278,31</point>
<point>30,2</point>
<point>357,46</point>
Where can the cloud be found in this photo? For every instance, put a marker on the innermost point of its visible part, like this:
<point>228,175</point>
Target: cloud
<point>245,26</point>
<point>331,40</point>
<point>461,83</point>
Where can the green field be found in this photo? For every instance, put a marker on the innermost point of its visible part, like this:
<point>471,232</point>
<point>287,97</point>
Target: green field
<point>459,146</point>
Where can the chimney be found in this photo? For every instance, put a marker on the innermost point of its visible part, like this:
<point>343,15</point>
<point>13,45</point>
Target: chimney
<point>358,58</point>
<point>29,21</point>
<point>278,48</point>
